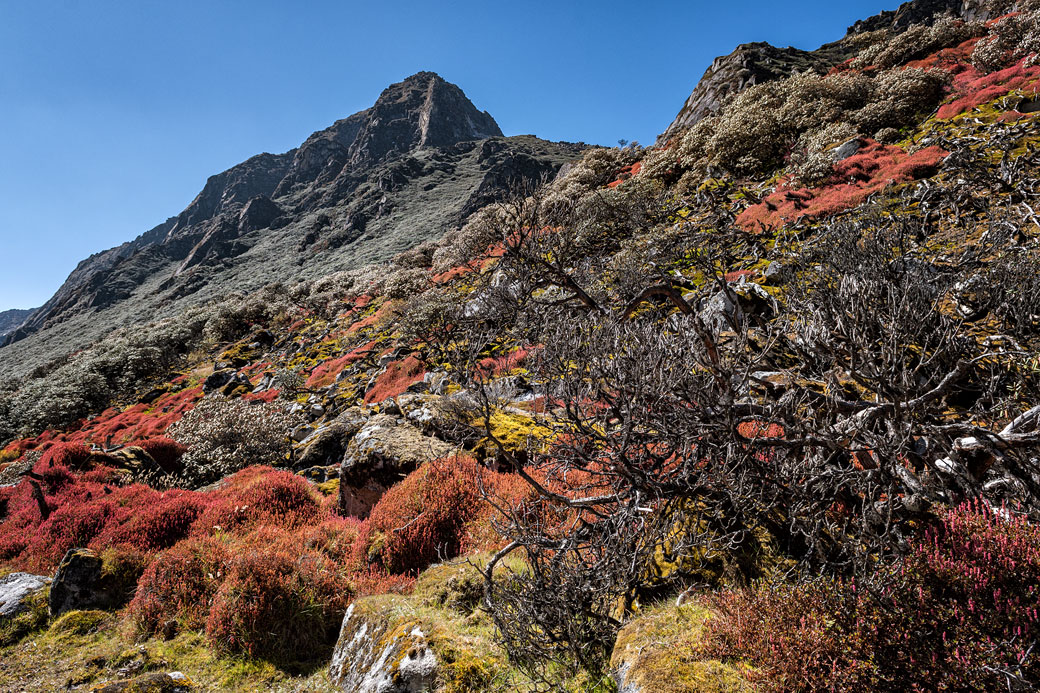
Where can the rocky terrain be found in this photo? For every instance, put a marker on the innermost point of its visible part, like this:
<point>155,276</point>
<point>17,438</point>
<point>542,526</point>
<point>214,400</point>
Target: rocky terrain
<point>404,171</point>
<point>10,320</point>
<point>755,409</point>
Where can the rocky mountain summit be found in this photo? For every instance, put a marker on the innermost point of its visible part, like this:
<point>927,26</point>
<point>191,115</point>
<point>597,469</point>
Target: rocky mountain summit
<point>415,164</point>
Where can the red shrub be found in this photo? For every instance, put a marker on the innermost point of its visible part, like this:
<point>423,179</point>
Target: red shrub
<point>279,601</point>
<point>395,379</point>
<point>626,173</point>
<point>493,367</point>
<point>68,455</point>
<point>180,585</point>
<point>259,496</point>
<point>856,178</point>
<point>165,451</point>
<point>325,374</point>
<point>156,521</point>
<point>435,513</point>
<point>369,582</point>
<point>972,88</point>
<point>962,607</point>
<point>265,396</point>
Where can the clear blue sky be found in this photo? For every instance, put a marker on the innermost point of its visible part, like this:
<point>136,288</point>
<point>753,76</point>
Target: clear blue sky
<point>113,114</point>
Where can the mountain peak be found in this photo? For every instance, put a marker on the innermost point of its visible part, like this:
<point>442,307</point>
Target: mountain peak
<point>423,110</point>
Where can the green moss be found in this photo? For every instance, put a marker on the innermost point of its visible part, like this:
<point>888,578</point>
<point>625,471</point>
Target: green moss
<point>658,651</point>
<point>77,623</point>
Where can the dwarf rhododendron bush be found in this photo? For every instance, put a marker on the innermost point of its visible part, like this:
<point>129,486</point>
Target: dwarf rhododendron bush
<point>960,610</point>
<point>261,562</point>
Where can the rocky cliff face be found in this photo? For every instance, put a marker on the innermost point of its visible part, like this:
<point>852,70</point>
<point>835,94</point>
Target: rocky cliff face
<point>403,171</point>
<point>11,319</point>
<point>754,63</point>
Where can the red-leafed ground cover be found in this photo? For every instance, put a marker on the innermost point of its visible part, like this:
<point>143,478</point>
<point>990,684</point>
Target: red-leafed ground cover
<point>626,173</point>
<point>396,379</point>
<point>267,396</point>
<point>972,88</point>
<point>132,425</point>
<point>855,178</point>
<point>325,374</point>
<point>500,365</point>
<point>961,607</point>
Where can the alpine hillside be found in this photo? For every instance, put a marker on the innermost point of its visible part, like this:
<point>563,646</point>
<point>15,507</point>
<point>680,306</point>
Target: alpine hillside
<point>754,409</point>
<point>404,171</point>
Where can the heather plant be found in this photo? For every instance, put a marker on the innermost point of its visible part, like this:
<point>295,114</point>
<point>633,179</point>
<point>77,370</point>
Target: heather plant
<point>223,436</point>
<point>177,590</point>
<point>436,513</point>
<point>279,601</point>
<point>959,612</point>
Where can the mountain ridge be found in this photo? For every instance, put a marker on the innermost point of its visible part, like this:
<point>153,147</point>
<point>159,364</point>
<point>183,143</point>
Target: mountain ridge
<point>341,184</point>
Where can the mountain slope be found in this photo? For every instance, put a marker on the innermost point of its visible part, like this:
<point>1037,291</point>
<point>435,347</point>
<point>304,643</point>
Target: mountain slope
<point>415,164</point>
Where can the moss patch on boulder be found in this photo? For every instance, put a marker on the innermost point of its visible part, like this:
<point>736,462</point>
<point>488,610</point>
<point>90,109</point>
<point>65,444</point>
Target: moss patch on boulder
<point>657,652</point>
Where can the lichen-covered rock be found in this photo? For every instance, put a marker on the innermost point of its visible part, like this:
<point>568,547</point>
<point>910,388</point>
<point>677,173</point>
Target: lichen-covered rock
<point>23,606</point>
<point>15,591</point>
<point>657,653</point>
<point>156,682</point>
<point>382,453</point>
<point>325,444</point>
<point>82,583</point>
<point>377,653</point>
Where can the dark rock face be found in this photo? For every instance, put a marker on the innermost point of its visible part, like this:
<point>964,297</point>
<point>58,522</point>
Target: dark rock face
<point>11,319</point>
<point>749,64</point>
<point>401,172</point>
<point>82,583</point>
<point>755,63</point>
<point>77,583</point>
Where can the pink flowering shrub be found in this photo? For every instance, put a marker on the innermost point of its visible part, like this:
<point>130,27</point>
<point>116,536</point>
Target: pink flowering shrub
<point>959,610</point>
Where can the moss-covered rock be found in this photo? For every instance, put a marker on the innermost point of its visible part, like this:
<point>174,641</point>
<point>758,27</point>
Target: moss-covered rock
<point>78,623</point>
<point>393,644</point>
<point>155,682</point>
<point>657,652</point>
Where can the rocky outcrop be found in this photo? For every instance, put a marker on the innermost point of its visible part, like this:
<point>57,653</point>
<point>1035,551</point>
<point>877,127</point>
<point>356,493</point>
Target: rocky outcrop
<point>10,320</point>
<point>756,63</point>
<point>749,64</point>
<point>379,652</point>
<point>16,589</point>
<point>382,453</point>
<point>81,582</point>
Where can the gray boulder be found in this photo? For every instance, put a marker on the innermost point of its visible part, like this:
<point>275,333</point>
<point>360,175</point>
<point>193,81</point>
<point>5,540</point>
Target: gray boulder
<point>378,653</point>
<point>15,591</point>
<point>381,454</point>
